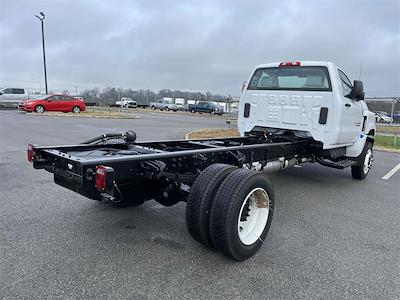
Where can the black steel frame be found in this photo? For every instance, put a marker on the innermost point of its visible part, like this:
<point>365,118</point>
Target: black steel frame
<point>164,161</point>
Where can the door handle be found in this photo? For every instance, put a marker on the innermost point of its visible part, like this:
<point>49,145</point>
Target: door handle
<point>347,105</point>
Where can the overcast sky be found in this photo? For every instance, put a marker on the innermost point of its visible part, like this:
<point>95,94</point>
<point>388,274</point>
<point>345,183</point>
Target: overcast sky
<point>195,45</point>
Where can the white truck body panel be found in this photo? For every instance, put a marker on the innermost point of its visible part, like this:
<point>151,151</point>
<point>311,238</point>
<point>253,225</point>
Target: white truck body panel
<point>299,111</point>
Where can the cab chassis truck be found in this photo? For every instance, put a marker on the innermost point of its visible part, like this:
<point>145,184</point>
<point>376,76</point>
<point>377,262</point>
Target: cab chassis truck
<point>290,113</point>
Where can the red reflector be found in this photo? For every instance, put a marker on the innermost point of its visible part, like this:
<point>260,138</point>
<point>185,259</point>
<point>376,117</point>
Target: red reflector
<point>289,64</point>
<point>31,152</point>
<point>101,178</point>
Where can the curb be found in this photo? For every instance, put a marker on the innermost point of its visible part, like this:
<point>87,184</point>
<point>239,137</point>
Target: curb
<point>386,149</point>
<point>85,116</point>
<point>187,135</point>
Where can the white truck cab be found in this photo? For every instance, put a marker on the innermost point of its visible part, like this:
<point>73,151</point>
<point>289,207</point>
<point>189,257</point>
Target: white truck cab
<point>310,99</point>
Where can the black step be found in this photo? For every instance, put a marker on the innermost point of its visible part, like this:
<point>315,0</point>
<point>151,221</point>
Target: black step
<point>337,165</point>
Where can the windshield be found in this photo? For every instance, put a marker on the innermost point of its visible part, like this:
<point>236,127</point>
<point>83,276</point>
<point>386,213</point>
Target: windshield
<point>291,78</point>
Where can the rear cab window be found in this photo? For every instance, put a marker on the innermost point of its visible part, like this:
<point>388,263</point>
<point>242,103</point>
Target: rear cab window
<point>297,78</point>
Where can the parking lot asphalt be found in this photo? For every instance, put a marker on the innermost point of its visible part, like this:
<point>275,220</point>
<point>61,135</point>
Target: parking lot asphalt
<point>332,237</point>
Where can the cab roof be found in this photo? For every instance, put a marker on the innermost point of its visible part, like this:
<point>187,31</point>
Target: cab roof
<point>298,63</point>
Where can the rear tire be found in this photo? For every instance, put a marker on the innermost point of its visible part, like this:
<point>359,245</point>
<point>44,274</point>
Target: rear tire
<point>76,110</point>
<point>39,109</point>
<point>361,170</point>
<point>241,214</point>
<point>193,111</point>
<point>153,108</point>
<point>200,201</point>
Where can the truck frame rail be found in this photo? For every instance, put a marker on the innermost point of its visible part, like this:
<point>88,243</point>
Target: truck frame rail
<point>163,165</point>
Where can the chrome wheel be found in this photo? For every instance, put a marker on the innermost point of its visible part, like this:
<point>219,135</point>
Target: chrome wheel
<point>368,161</point>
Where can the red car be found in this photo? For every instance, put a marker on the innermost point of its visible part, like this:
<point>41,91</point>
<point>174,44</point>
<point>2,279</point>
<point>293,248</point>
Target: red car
<point>62,103</point>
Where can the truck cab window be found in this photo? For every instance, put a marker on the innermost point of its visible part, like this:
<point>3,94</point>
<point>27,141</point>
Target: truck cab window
<point>346,84</point>
<point>18,91</point>
<point>307,78</point>
<point>7,91</point>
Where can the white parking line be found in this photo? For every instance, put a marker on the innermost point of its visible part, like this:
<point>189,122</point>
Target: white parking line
<point>391,172</point>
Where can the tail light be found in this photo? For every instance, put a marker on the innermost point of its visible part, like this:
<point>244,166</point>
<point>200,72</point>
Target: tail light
<point>104,178</point>
<point>30,152</point>
<point>289,64</point>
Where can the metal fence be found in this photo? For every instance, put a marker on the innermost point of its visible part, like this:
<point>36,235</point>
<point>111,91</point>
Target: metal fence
<point>387,109</point>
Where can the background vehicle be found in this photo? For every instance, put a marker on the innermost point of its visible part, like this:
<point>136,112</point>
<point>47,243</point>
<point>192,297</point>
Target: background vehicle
<point>10,97</point>
<point>180,107</point>
<point>306,112</point>
<point>206,107</point>
<point>62,103</point>
<point>164,104</point>
<point>383,117</point>
<point>126,102</point>
<point>396,116</point>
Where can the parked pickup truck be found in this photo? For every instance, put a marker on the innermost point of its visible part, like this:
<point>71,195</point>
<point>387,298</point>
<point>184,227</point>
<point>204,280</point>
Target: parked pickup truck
<point>11,97</point>
<point>206,107</point>
<point>164,104</point>
<point>290,113</point>
<point>383,117</point>
<point>126,102</point>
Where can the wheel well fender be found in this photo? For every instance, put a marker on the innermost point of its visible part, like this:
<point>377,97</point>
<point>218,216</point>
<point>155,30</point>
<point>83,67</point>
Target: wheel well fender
<point>371,136</point>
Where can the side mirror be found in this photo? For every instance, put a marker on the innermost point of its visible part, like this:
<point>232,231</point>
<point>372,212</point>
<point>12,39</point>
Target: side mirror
<point>357,92</point>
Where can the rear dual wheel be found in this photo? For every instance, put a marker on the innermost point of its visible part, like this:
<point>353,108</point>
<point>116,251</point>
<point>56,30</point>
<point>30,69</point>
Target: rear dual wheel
<point>235,218</point>
<point>200,200</point>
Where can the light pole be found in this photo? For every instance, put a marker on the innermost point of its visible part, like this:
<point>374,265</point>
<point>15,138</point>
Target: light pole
<point>41,18</point>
